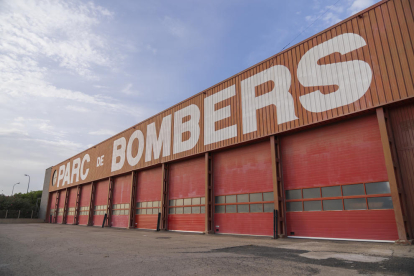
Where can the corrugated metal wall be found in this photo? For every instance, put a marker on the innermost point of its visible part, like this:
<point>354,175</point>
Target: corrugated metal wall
<point>402,119</point>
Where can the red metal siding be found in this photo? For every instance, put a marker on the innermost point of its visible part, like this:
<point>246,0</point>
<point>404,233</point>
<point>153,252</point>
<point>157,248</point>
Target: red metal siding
<point>243,170</point>
<point>61,204</point>
<point>245,224</point>
<point>71,204</point>
<point>84,202</point>
<point>342,153</point>
<point>402,119</point>
<point>121,194</point>
<point>187,180</point>
<point>52,201</point>
<point>101,198</point>
<point>367,224</point>
<point>148,189</point>
<point>186,222</point>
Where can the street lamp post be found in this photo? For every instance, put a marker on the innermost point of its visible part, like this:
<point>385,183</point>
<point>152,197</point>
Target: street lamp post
<point>28,183</point>
<point>13,187</point>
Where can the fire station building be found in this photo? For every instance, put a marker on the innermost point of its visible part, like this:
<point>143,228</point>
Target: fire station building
<point>314,142</point>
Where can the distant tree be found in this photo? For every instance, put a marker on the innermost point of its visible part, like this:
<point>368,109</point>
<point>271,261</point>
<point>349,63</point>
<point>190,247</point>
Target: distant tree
<point>23,202</point>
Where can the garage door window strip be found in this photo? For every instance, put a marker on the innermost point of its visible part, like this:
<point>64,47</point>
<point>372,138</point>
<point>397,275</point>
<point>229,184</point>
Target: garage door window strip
<point>148,207</point>
<point>361,196</point>
<point>194,205</point>
<point>120,209</point>
<point>245,203</point>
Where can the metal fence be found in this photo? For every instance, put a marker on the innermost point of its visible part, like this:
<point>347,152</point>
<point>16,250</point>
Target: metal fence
<point>19,214</point>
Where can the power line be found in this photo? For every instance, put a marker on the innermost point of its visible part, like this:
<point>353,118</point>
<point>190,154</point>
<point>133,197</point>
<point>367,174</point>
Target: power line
<point>309,25</point>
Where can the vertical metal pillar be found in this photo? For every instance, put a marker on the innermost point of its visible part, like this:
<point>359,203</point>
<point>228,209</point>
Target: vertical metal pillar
<point>278,192</point>
<point>387,143</point>
<point>209,194</point>
<point>78,195</point>
<point>56,206</point>
<point>132,200</point>
<point>109,203</point>
<point>164,197</point>
<point>91,201</point>
<point>65,208</point>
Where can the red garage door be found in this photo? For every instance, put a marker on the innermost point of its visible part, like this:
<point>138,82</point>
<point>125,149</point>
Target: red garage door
<point>84,204</point>
<point>100,202</point>
<point>186,195</point>
<point>71,205</point>
<point>52,202</point>
<point>121,199</point>
<point>336,182</point>
<point>148,198</point>
<point>61,206</point>
<point>243,189</point>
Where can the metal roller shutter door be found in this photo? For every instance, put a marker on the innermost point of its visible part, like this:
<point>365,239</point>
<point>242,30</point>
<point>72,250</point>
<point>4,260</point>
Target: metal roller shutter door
<point>84,204</point>
<point>243,189</point>
<point>335,182</point>
<point>61,206</point>
<point>120,202</point>
<point>52,202</point>
<point>148,198</point>
<point>100,202</point>
<point>71,205</point>
<point>186,195</point>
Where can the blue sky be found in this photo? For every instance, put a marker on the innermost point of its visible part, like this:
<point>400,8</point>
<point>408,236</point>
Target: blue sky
<point>74,73</point>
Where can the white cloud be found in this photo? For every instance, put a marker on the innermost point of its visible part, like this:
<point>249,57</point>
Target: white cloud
<point>77,108</point>
<point>105,132</point>
<point>359,5</point>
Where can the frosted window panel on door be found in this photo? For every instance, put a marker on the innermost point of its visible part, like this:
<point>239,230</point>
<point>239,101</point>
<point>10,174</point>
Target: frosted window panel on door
<point>187,201</point>
<point>293,194</point>
<point>179,210</point>
<point>179,202</point>
<point>256,208</point>
<point>172,202</point>
<point>220,199</point>
<point>355,204</point>
<point>220,209</point>
<point>378,188</point>
<point>149,204</point>
<point>352,190</point>
<point>268,196</point>
<point>195,210</point>
<point>293,206</point>
<point>243,208</point>
<point>231,199</point>
<point>268,207</point>
<point>311,193</point>
<point>187,210</point>
<point>196,201</point>
<point>231,209</point>
<point>203,209</point>
<point>243,198</point>
<point>331,191</point>
<point>332,205</point>
<point>155,204</point>
<point>256,197</point>
<point>380,203</point>
<point>172,211</point>
<point>314,205</point>
<point>203,200</point>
